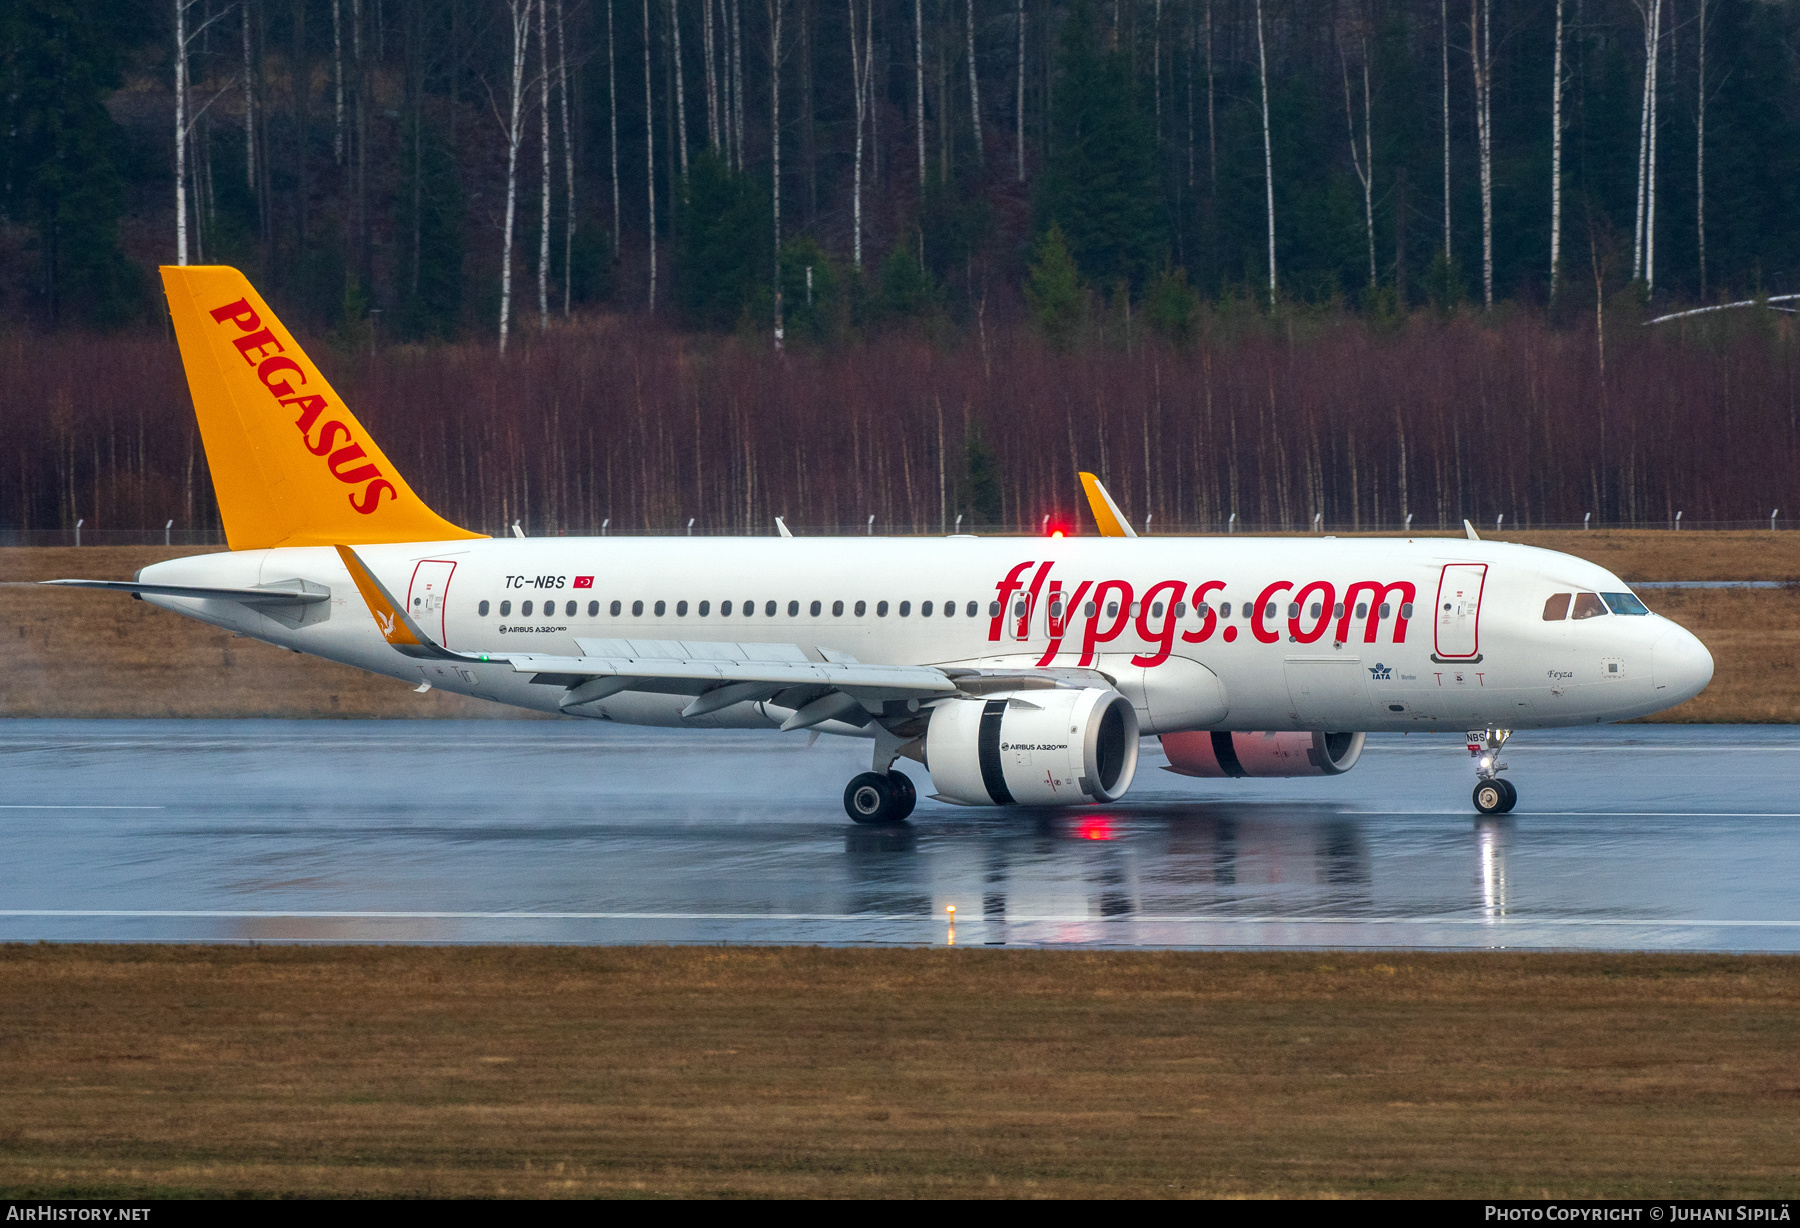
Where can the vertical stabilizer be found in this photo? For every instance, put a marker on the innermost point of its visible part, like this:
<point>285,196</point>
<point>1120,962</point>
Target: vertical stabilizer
<point>290,463</point>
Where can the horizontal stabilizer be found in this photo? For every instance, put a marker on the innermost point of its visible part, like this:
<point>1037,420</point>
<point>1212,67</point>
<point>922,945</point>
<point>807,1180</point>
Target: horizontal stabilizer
<point>287,592</point>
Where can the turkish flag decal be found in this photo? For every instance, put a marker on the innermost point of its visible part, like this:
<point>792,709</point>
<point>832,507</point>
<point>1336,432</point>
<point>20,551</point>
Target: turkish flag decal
<point>584,582</point>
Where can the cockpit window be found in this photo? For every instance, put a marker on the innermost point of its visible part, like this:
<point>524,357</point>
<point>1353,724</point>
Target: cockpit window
<point>1557,608</point>
<point>1624,603</point>
<point>1588,605</point>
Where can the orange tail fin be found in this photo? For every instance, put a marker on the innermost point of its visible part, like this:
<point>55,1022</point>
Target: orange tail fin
<point>290,463</point>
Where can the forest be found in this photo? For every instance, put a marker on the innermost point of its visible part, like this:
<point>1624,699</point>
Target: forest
<point>1263,262</point>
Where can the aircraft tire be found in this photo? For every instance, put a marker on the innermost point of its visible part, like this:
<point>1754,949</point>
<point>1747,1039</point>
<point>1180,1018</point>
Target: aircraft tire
<point>1494,796</point>
<point>904,793</point>
<point>871,798</point>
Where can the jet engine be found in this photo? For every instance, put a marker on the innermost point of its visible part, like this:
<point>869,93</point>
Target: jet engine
<point>1062,747</point>
<point>1262,754</point>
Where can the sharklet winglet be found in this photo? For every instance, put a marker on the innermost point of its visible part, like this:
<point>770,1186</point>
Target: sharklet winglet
<point>397,627</point>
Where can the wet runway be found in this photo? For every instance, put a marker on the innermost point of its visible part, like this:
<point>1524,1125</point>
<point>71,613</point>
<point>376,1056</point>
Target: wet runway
<point>507,831</point>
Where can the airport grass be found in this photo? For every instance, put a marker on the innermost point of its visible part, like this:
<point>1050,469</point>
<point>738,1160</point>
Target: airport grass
<point>78,653</point>
<point>138,1071</point>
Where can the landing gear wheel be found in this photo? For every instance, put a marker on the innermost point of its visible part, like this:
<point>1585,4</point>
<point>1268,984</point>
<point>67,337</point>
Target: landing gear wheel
<point>1495,795</point>
<point>872,798</point>
<point>904,793</point>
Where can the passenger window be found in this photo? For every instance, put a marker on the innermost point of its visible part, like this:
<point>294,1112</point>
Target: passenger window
<point>1088,609</point>
<point>925,609</point>
<point>614,609</point>
<point>994,609</point>
<point>1156,609</point>
<point>637,609</point>
<point>549,609</point>
<point>862,607</point>
<point>1386,610</point>
<point>794,609</point>
<point>975,608</point>
<point>482,609</point>
<point>1224,609</point>
<point>724,609</point>
<point>705,608</point>
<point>1293,609</point>
<point>1557,607</point>
<point>1270,611</point>
<point>569,610</point>
<point>1405,609</point>
<point>949,609</point>
<point>905,608</point>
<point>1362,609</point>
<point>1112,609</point>
<point>681,609</point>
<point>1588,605</point>
<point>1624,603</point>
<point>769,609</point>
<point>525,609</point>
<point>505,608</point>
<point>1337,611</point>
<point>593,609</point>
<point>1317,609</point>
<point>814,609</point>
<point>1180,609</point>
<point>837,609</point>
<point>661,608</point>
<point>881,609</point>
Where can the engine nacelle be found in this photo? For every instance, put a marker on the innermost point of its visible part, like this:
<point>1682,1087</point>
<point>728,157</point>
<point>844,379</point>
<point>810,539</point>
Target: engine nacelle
<point>1061,747</point>
<point>1262,754</point>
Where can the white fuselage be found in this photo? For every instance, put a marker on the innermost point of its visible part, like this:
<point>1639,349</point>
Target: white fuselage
<point>1389,634</point>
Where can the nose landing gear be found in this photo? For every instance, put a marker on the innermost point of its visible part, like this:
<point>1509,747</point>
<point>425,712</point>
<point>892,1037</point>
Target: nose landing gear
<point>1493,793</point>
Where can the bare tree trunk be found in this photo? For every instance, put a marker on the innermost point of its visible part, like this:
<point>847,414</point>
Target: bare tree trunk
<point>250,105</point>
<point>1212,125</point>
<point>1363,161</point>
<point>680,87</point>
<point>650,155</point>
<point>974,91</point>
<point>708,47</point>
<point>1019,17</point>
<point>776,8</point>
<point>562,86</point>
<point>181,126</point>
<point>737,76</point>
<point>1655,65</point>
<point>520,15</point>
<point>1444,19</point>
<point>543,272</point>
<point>1481,52</point>
<point>1262,69</point>
<point>612,94</point>
<point>1556,138</point>
<point>919,87</point>
<point>1156,68</point>
<point>337,72</point>
<point>1651,11</point>
<point>859,84</point>
<point>1700,156</point>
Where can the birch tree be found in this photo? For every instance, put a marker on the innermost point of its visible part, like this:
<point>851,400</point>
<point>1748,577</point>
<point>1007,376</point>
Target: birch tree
<point>1444,25</point>
<point>337,74</point>
<point>1556,138</point>
<point>1364,162</point>
<point>612,112</point>
<point>1700,152</point>
<point>185,121</point>
<point>1643,251</point>
<point>1481,53</point>
<point>1262,71</point>
<point>861,69</point>
<point>562,93</point>
<point>974,89</point>
<point>919,86</point>
<point>776,10</point>
<point>650,155</point>
<point>711,79</point>
<point>737,87</point>
<point>543,270</point>
<point>680,89</point>
<point>250,103</point>
<point>519,15</point>
<point>1019,19</point>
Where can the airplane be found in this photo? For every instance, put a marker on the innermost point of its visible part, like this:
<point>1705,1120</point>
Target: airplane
<point>1018,671</point>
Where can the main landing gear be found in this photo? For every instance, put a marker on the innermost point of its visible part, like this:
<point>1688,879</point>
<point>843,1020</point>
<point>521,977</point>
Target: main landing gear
<point>1493,793</point>
<point>880,797</point>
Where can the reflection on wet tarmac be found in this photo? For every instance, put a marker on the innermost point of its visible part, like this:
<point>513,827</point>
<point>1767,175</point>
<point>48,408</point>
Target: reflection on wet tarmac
<point>502,832</point>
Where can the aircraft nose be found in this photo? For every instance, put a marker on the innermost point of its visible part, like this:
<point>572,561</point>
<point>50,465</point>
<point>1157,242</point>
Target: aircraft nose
<point>1680,666</point>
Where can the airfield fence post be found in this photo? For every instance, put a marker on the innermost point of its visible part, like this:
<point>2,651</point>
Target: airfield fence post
<point>79,523</point>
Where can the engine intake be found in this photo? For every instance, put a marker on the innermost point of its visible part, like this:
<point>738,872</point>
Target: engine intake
<point>1059,747</point>
<point>1262,754</point>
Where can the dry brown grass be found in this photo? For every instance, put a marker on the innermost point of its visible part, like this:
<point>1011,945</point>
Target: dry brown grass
<point>77,653</point>
<point>777,1072</point>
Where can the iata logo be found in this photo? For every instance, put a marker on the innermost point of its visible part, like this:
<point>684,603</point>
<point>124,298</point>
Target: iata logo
<point>263,351</point>
<point>1380,672</point>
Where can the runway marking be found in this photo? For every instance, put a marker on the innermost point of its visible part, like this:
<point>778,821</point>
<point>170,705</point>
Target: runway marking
<point>220,914</point>
<point>22,807</point>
